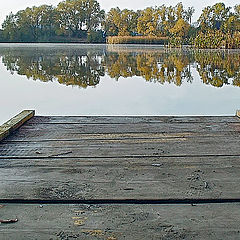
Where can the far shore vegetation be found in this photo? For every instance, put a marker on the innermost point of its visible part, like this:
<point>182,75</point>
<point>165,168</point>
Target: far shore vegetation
<point>83,21</point>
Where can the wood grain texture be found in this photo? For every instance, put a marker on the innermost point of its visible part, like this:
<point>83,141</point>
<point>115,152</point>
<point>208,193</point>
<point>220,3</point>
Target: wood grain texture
<point>228,145</point>
<point>120,178</point>
<point>36,132</point>
<point>131,119</point>
<point>10,126</point>
<point>120,222</point>
<point>122,158</point>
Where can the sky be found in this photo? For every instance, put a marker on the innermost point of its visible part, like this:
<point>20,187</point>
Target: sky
<point>14,6</point>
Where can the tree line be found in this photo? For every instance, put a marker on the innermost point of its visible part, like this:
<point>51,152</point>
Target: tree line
<point>85,21</point>
<point>71,19</point>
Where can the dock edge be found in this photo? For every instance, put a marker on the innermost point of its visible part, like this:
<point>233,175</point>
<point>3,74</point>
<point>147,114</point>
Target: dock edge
<point>14,123</point>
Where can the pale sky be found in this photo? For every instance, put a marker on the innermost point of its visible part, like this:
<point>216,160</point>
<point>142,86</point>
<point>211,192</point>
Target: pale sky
<point>7,6</point>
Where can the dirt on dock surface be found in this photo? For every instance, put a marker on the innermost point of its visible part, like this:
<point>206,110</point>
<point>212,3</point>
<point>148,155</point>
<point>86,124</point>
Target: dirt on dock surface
<point>119,178</point>
<point>111,222</point>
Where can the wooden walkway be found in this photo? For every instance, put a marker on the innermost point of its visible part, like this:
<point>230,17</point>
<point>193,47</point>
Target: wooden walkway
<point>120,177</point>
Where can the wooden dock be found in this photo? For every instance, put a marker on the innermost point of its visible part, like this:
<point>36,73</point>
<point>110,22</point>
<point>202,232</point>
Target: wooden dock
<point>119,178</point>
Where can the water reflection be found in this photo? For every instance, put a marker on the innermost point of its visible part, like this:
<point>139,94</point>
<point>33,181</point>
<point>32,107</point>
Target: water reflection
<point>81,68</point>
<point>153,66</point>
<point>84,66</point>
<point>218,68</point>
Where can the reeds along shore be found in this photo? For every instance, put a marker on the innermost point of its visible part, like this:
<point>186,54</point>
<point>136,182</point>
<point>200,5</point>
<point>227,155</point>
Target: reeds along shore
<point>137,40</point>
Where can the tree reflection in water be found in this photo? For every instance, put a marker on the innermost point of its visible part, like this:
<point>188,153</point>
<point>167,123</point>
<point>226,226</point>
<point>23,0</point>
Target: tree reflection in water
<point>154,66</point>
<point>84,67</point>
<point>76,68</point>
<point>218,68</point>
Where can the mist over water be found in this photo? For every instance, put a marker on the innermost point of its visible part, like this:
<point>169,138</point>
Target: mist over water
<point>68,79</point>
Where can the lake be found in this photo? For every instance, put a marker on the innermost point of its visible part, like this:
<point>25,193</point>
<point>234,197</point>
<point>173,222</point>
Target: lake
<point>74,79</point>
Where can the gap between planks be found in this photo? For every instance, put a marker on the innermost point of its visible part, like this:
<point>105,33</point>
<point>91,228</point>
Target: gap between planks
<point>118,157</point>
<point>169,201</point>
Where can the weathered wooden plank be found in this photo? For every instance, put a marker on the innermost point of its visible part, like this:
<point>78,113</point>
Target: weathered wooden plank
<point>7,128</point>
<point>153,161</point>
<point>116,136</point>
<point>131,119</point>
<point>118,222</point>
<point>207,175</point>
<point>125,147</point>
<point>167,140</point>
<point>74,131</point>
<point>38,136</point>
<point>143,178</point>
<point>139,127</point>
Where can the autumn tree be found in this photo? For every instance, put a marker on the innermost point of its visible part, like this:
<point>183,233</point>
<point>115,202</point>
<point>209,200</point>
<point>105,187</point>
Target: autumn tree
<point>147,24</point>
<point>180,28</point>
<point>214,17</point>
<point>121,22</point>
<point>111,21</point>
<point>219,27</point>
<point>179,11</point>
<point>161,21</point>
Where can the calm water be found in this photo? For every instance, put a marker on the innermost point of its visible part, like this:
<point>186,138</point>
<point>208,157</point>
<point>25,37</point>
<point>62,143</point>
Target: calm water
<point>62,79</point>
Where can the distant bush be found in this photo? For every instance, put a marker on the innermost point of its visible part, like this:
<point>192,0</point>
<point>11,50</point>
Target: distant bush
<point>96,37</point>
<point>137,40</point>
<point>217,39</point>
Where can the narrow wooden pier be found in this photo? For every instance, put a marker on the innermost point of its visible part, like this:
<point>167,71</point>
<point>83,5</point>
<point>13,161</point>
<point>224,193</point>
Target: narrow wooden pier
<point>120,177</point>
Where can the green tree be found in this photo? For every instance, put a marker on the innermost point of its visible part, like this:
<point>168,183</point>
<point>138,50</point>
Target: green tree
<point>10,28</point>
<point>71,17</point>
<point>94,15</point>
<point>30,24</point>
<point>47,19</point>
<point>77,16</point>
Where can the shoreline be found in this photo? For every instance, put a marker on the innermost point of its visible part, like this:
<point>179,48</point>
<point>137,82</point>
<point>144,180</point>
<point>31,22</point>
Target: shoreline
<point>128,45</point>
